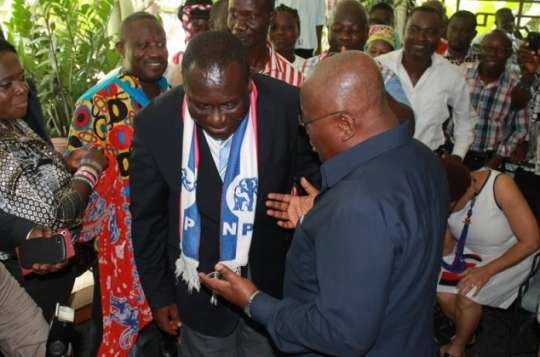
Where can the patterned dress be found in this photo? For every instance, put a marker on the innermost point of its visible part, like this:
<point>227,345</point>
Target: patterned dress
<point>104,118</point>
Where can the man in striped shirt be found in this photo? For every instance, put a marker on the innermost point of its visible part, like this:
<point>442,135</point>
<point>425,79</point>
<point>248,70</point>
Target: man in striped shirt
<point>500,127</point>
<point>248,20</point>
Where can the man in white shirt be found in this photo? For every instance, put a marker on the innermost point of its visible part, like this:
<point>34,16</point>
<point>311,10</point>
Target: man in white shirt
<point>432,84</point>
<point>312,19</point>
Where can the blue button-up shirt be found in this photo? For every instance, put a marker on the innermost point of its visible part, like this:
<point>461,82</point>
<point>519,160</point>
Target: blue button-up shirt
<point>361,271</point>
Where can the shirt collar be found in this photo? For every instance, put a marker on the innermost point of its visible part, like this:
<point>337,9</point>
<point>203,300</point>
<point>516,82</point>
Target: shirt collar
<point>436,59</point>
<point>273,64</point>
<point>502,81</point>
<point>336,168</point>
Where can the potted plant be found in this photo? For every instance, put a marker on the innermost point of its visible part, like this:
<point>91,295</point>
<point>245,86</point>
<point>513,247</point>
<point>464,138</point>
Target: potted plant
<point>64,48</point>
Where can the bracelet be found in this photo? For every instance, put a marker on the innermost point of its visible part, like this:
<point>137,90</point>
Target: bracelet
<point>89,176</point>
<point>83,179</point>
<point>90,171</point>
<point>92,163</point>
<point>247,309</point>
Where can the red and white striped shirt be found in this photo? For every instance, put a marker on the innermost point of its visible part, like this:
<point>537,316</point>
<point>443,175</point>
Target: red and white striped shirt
<point>279,68</point>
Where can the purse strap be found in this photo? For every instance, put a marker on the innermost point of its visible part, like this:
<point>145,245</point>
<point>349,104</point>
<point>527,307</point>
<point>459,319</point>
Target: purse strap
<point>459,265</point>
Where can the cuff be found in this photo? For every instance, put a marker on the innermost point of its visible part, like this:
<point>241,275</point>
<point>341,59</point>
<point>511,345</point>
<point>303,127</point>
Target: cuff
<point>262,307</point>
<point>20,232</point>
<point>460,149</point>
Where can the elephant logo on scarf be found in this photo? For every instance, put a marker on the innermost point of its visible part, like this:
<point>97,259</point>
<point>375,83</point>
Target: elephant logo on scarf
<point>187,179</point>
<point>245,194</point>
<point>125,315</point>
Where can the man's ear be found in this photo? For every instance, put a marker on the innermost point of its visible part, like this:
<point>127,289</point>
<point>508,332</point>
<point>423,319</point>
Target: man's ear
<point>120,48</point>
<point>346,126</point>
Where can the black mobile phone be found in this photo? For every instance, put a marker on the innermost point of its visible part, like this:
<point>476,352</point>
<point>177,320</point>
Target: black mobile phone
<point>42,251</point>
<point>533,38</point>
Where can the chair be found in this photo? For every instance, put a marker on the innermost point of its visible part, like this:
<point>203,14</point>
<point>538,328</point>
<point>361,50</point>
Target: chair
<point>525,308</point>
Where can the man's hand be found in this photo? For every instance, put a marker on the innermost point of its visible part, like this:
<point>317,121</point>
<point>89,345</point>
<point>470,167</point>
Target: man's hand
<point>519,155</point>
<point>494,163</point>
<point>40,269</point>
<point>528,59</point>
<point>288,209</point>
<point>167,319</point>
<point>231,287</point>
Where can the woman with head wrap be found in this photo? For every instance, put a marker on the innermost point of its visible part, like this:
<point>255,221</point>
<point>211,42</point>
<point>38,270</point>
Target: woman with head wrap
<point>194,16</point>
<point>381,40</point>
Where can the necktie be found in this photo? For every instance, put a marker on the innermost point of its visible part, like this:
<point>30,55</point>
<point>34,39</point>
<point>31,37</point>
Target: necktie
<point>224,158</point>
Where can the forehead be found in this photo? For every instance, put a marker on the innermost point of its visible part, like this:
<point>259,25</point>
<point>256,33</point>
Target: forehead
<point>143,29</point>
<point>497,39</point>
<point>248,5</point>
<point>283,16</point>
<point>9,64</point>
<point>424,19</point>
<point>344,16</point>
<point>228,78</point>
<point>504,16</point>
<point>381,13</point>
<point>460,22</point>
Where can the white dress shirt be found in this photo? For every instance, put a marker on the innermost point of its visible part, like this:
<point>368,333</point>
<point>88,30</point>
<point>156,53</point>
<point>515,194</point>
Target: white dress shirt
<point>442,85</point>
<point>220,150</point>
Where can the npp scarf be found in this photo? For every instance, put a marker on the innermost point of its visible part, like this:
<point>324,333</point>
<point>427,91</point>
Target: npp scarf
<point>238,198</point>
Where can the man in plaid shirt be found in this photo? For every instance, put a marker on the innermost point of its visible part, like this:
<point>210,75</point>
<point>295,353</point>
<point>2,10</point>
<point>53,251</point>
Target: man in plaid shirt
<point>500,127</point>
<point>527,154</point>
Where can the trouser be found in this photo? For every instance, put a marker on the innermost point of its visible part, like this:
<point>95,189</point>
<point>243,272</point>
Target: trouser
<point>47,289</point>
<point>245,341</point>
<point>529,184</point>
<point>23,330</point>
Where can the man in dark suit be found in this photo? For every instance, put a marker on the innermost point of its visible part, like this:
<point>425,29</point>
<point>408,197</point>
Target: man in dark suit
<point>220,97</point>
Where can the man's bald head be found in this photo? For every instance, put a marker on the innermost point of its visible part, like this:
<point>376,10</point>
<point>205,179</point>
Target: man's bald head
<point>348,26</point>
<point>352,79</point>
<point>348,89</point>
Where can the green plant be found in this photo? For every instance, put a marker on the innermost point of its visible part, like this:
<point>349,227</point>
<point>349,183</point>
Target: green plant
<point>64,48</point>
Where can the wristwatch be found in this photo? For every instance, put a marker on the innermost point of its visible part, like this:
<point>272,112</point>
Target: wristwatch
<point>248,305</point>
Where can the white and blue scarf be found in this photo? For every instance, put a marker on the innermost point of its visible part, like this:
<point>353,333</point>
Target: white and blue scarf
<point>238,197</point>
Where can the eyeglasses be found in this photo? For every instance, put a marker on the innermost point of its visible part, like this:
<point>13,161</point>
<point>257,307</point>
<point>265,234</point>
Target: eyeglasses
<point>305,123</point>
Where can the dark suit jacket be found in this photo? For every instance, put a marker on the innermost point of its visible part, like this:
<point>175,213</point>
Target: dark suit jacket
<point>284,153</point>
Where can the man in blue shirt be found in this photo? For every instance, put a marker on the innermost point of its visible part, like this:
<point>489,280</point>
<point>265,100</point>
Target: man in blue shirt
<point>362,268</point>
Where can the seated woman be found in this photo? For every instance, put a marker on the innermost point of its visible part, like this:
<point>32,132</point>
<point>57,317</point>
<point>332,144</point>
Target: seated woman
<point>489,247</point>
<point>36,186</point>
<point>381,40</point>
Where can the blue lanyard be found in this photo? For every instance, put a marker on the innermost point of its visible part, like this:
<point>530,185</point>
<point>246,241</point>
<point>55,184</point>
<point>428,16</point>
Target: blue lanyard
<point>137,94</point>
<point>459,264</point>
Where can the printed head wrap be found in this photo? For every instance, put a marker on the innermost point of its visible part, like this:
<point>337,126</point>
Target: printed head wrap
<point>382,32</point>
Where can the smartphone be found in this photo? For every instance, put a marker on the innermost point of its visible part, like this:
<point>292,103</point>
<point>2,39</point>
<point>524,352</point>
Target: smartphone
<point>533,38</point>
<point>45,250</point>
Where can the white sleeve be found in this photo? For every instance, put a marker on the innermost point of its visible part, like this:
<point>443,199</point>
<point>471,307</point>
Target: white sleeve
<point>463,115</point>
<point>320,20</point>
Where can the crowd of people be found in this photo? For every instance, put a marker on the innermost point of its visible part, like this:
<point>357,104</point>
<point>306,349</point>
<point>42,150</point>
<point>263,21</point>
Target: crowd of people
<point>261,194</point>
